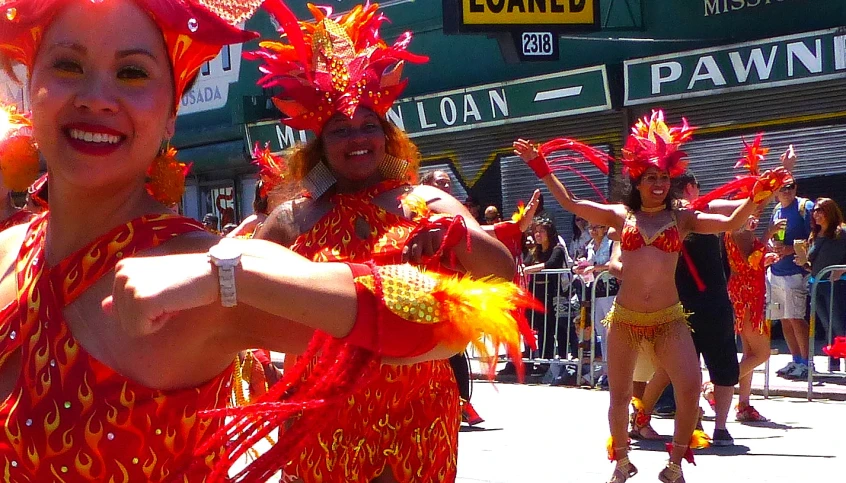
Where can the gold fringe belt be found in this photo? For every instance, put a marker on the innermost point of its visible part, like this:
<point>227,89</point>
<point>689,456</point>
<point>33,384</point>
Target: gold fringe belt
<point>645,326</point>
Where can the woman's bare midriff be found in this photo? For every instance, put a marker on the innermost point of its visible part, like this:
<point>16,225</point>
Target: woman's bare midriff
<point>649,280</point>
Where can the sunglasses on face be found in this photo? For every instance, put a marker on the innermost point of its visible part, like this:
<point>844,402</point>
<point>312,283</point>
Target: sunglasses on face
<point>789,187</point>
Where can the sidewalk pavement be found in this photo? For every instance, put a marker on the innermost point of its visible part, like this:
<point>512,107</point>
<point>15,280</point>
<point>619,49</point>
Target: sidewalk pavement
<point>831,386</point>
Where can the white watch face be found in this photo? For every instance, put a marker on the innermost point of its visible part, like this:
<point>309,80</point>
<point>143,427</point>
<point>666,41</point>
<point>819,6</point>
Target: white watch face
<point>224,252</point>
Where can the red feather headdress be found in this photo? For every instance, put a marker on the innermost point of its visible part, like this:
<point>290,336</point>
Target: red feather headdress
<point>332,65</point>
<point>272,169</point>
<point>654,144</point>
<point>194,30</point>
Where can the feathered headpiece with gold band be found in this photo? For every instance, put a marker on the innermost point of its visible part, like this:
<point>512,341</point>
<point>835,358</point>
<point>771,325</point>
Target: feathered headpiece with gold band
<point>18,154</point>
<point>654,144</point>
<point>272,168</point>
<point>332,65</point>
<point>194,30</point>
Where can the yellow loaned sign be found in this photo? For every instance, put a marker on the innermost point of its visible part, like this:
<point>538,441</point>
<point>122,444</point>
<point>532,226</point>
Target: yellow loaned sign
<point>529,12</point>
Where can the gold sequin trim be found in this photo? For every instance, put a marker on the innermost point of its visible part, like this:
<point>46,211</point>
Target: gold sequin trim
<point>645,326</point>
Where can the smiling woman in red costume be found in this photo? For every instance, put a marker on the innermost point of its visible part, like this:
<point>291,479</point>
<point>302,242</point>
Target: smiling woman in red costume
<point>121,320</point>
<point>647,315</point>
<point>338,80</point>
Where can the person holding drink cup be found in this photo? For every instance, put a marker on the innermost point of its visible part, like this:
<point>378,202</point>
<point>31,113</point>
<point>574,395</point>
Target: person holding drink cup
<point>788,282</point>
<point>825,247</point>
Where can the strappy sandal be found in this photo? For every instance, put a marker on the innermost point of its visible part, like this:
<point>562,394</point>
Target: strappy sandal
<point>641,427</point>
<point>623,471</point>
<point>672,473</point>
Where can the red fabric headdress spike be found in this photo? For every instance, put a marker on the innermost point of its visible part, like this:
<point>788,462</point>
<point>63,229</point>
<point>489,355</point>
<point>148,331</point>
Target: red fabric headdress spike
<point>18,154</point>
<point>332,65</point>
<point>753,155</point>
<point>194,30</point>
<point>272,168</point>
<point>654,144</point>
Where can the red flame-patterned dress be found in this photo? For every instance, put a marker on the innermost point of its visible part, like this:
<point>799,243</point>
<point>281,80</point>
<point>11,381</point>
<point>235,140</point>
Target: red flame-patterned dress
<point>747,286</point>
<point>408,417</point>
<point>70,418</point>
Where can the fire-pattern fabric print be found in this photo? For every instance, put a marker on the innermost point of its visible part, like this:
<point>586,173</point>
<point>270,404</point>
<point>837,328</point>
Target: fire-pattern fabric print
<point>407,418</point>
<point>69,417</point>
<point>747,286</point>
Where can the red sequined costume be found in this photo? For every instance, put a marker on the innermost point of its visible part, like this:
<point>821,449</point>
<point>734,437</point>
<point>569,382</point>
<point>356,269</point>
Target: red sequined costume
<point>18,218</point>
<point>69,417</point>
<point>747,285</point>
<point>408,417</point>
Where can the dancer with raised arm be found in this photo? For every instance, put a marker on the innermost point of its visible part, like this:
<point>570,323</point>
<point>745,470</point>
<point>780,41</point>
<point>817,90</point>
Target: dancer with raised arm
<point>648,315</point>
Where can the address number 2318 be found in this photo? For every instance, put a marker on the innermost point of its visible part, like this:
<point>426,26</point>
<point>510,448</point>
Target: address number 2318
<point>537,43</point>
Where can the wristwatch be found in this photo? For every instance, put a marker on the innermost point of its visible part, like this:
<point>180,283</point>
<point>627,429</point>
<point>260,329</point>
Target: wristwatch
<point>226,257</point>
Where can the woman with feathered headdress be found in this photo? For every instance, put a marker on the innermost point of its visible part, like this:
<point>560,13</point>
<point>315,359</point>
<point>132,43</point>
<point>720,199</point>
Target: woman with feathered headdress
<point>647,315</point>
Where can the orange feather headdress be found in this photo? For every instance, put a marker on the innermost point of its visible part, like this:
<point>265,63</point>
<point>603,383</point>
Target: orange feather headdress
<point>194,30</point>
<point>18,154</point>
<point>654,144</point>
<point>332,65</point>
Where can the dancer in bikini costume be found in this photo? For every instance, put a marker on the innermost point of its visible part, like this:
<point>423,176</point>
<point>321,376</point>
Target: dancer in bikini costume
<point>647,314</point>
<point>113,333</point>
<point>360,205</point>
<point>18,164</point>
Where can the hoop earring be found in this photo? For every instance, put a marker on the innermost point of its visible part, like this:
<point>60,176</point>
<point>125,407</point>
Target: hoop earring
<point>318,181</point>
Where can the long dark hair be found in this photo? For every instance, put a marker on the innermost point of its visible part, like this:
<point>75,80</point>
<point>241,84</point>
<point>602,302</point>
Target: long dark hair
<point>833,215</point>
<point>551,234</point>
<point>259,201</point>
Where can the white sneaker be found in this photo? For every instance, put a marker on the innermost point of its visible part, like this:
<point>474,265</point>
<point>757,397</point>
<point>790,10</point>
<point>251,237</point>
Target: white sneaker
<point>786,369</point>
<point>798,372</point>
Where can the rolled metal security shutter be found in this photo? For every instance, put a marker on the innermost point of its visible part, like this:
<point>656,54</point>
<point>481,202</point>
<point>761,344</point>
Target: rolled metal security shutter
<point>820,151</point>
<point>811,116</point>
<point>475,151</point>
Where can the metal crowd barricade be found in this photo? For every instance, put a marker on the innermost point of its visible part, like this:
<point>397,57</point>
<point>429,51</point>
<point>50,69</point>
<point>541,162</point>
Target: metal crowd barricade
<point>561,308</point>
<point>603,276</point>
<point>813,321</point>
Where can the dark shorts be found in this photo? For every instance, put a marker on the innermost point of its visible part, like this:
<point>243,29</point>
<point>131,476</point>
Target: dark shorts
<point>713,335</point>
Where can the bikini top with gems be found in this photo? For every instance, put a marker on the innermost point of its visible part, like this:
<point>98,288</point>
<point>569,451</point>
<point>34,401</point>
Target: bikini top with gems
<point>666,239</point>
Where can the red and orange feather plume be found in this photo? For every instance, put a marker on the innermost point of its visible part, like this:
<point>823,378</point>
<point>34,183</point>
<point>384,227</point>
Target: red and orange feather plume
<point>166,178</point>
<point>753,155</point>
<point>653,143</point>
<point>272,168</point>
<point>332,65</point>
<point>18,153</point>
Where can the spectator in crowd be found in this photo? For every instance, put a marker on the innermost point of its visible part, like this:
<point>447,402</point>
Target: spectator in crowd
<point>492,215</point>
<point>748,258</point>
<point>788,282</point>
<point>210,223</point>
<point>827,246</point>
<point>577,248</point>
<point>598,258</point>
<point>228,228</point>
<point>474,208</point>
<point>546,254</point>
<point>439,179</point>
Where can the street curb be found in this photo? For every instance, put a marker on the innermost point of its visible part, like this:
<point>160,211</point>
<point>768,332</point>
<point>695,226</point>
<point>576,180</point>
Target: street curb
<point>757,391</point>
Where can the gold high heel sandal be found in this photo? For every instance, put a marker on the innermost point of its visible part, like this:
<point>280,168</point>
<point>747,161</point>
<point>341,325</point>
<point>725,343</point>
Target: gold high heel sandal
<point>672,473</point>
<point>624,469</point>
